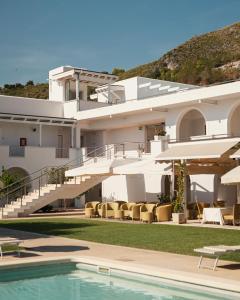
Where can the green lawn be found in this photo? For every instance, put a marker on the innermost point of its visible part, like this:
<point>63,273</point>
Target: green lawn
<point>168,238</point>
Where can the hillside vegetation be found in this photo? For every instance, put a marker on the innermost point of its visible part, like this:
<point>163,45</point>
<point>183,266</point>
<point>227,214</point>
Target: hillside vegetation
<point>30,90</point>
<point>205,59</point>
<point>209,58</point>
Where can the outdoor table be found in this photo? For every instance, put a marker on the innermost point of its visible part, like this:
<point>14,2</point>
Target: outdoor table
<point>215,214</point>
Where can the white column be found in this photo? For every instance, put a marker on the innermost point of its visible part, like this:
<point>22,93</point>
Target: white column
<point>40,135</point>
<point>78,136</point>
<point>76,76</point>
<point>72,137</point>
<point>77,87</point>
<point>109,94</point>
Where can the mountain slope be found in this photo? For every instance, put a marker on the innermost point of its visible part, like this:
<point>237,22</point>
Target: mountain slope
<point>204,59</point>
<point>30,90</point>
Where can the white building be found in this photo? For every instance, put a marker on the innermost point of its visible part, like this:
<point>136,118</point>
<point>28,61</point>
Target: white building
<point>88,112</point>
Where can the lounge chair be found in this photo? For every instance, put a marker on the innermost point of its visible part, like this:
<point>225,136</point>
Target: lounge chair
<point>9,241</point>
<point>234,218</point>
<point>164,213</point>
<point>147,212</point>
<point>216,252</point>
<point>91,209</point>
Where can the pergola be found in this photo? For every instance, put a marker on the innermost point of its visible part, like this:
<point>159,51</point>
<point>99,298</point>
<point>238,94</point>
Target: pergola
<point>205,157</point>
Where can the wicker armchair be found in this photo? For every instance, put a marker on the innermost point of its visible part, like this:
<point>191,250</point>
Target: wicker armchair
<point>164,213</point>
<point>101,209</point>
<point>147,212</point>
<point>111,207</point>
<point>134,212</point>
<point>235,217</point>
<point>126,208</point>
<point>91,209</point>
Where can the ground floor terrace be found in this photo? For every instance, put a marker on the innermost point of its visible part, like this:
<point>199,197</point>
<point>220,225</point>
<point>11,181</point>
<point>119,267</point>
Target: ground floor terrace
<point>154,249</point>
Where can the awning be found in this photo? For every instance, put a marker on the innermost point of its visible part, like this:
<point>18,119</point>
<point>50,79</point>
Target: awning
<point>147,166</point>
<point>232,176</point>
<point>197,150</point>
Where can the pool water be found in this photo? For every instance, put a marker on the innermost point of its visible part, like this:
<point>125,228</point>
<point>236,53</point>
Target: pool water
<point>66,281</point>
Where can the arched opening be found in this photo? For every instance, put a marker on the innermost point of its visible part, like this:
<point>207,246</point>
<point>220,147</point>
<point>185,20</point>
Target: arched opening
<point>20,175</point>
<point>225,193</point>
<point>234,127</point>
<point>192,124</point>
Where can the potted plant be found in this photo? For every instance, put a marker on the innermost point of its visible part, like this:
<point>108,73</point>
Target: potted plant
<point>178,215</point>
<point>164,198</point>
<point>159,133</point>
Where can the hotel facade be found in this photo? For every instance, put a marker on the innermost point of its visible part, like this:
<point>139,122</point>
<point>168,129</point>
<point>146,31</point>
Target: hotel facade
<point>122,137</point>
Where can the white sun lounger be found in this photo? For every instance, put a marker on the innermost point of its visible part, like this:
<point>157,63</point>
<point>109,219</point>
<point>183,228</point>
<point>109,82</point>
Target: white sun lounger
<point>7,241</point>
<point>216,252</point>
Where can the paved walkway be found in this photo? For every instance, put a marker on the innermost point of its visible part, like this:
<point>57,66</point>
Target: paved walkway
<point>42,246</point>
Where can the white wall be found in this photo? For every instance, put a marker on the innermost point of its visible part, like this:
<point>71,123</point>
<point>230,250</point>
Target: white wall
<point>132,188</point>
<point>12,132</point>
<point>35,158</point>
<point>28,106</point>
<point>70,107</point>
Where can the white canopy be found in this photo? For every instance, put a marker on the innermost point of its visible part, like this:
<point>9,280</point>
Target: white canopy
<point>146,166</point>
<point>231,177</point>
<point>197,150</point>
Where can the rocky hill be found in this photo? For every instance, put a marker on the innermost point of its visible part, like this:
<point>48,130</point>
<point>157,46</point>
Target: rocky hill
<point>205,59</point>
<point>209,58</point>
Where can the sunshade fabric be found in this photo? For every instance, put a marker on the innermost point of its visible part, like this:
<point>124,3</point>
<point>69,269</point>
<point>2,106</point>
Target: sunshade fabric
<point>196,150</point>
<point>232,176</point>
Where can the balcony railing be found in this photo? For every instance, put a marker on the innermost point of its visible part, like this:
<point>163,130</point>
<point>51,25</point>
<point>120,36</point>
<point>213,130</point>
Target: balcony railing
<point>203,138</point>
<point>16,151</point>
<point>62,152</point>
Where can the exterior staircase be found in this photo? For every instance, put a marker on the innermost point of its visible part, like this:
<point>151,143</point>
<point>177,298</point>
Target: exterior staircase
<point>37,199</point>
<point>62,182</point>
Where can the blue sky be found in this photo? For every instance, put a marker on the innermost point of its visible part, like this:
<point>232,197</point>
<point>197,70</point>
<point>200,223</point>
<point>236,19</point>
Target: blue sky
<point>38,35</point>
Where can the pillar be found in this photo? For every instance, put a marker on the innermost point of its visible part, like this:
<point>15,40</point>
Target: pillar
<point>77,77</point>
<point>78,136</point>
<point>40,135</point>
<point>72,137</point>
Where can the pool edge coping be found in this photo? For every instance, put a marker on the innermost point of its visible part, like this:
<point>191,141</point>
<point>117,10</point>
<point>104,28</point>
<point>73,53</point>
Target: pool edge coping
<point>197,280</point>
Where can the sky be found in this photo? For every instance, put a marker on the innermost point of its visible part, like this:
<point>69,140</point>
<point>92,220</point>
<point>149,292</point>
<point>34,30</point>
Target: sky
<point>39,35</point>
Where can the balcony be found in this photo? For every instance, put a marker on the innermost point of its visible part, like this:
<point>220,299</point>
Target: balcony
<point>16,151</point>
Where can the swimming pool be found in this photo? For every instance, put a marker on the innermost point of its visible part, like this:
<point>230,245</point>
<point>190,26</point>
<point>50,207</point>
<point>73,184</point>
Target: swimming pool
<point>72,281</point>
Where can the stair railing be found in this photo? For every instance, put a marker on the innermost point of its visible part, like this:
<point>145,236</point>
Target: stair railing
<point>38,179</point>
<point>16,191</point>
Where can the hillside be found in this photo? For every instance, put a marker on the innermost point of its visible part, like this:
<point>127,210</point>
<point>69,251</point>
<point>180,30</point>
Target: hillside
<point>209,58</point>
<point>30,90</point>
<point>205,59</point>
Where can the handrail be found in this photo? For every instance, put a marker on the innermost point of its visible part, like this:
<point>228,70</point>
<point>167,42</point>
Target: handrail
<point>57,174</point>
<point>46,171</point>
<point>41,169</point>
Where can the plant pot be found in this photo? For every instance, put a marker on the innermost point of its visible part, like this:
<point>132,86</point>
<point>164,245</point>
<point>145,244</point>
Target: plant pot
<point>178,218</point>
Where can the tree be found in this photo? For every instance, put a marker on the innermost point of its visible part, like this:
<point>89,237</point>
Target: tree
<point>30,82</point>
<point>117,71</point>
<point>7,178</point>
